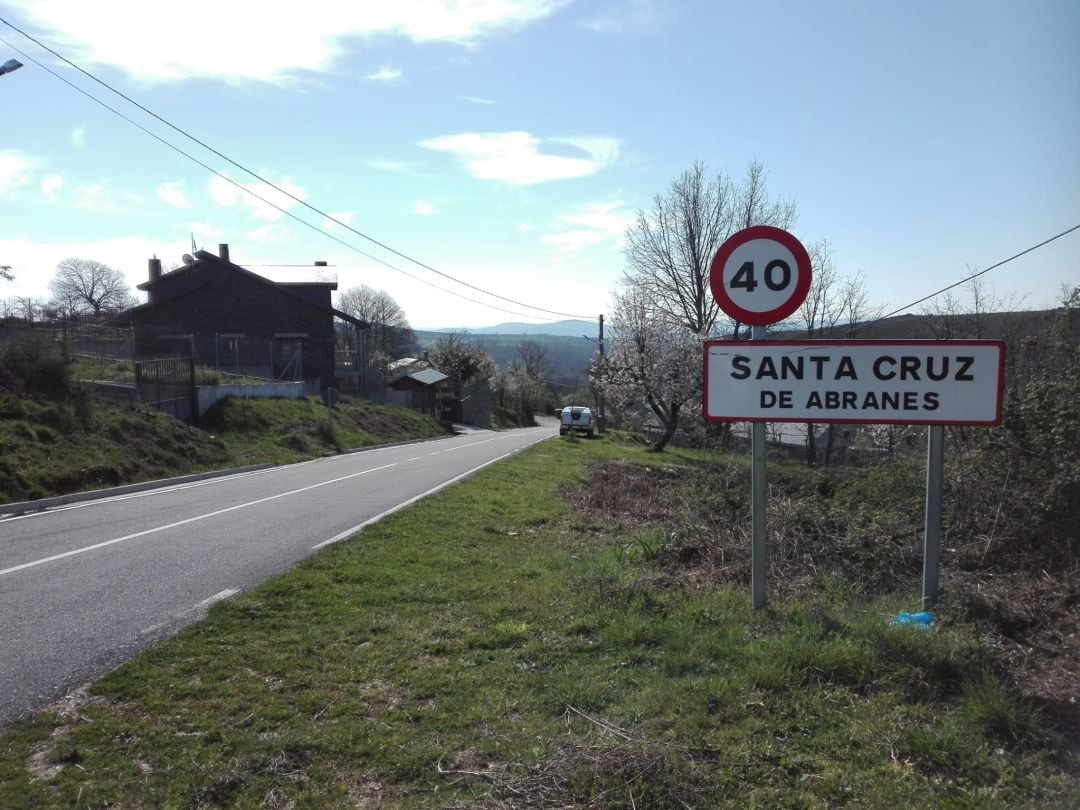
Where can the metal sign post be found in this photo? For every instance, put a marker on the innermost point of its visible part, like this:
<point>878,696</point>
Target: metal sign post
<point>758,495</point>
<point>759,276</point>
<point>935,488</point>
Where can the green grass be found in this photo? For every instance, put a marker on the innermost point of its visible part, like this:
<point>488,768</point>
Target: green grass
<point>77,442</point>
<point>489,648</point>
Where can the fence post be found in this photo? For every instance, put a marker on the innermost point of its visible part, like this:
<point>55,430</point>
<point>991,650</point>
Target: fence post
<point>194,390</point>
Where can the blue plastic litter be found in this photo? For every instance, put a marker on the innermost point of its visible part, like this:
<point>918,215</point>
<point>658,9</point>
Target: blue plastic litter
<point>921,621</point>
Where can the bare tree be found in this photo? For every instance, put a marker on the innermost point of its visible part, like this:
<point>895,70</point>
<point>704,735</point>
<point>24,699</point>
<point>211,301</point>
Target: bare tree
<point>756,207</point>
<point>534,359</point>
<point>968,313</point>
<point>832,301</point>
<point>389,333</point>
<point>85,285</point>
<point>670,247</point>
<point>654,361</point>
<point>667,308</point>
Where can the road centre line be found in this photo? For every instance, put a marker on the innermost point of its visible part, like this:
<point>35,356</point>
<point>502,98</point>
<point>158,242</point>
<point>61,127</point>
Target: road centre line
<point>474,444</point>
<point>85,549</point>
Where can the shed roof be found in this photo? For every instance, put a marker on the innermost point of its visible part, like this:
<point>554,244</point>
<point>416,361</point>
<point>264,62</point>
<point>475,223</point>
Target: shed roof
<point>429,376</point>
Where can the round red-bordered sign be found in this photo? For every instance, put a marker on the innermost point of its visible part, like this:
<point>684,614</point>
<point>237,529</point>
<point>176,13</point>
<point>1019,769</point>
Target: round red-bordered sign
<point>760,275</point>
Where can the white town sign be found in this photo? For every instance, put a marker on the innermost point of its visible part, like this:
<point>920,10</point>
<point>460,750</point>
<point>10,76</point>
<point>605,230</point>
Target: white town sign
<point>912,382</point>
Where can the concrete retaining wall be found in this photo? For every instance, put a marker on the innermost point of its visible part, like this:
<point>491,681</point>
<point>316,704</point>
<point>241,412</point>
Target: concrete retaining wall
<point>210,394</point>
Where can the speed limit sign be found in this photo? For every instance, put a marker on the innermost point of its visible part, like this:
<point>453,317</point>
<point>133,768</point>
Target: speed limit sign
<point>760,275</point>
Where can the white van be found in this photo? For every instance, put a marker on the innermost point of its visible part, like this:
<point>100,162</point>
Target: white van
<point>576,418</point>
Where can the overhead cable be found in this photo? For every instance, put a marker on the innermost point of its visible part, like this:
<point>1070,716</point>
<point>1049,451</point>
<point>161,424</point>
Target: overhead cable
<point>1043,243</point>
<point>266,181</point>
<point>259,197</point>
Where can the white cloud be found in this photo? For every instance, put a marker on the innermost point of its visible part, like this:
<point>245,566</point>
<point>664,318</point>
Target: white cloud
<point>424,208</point>
<point>206,230</point>
<point>589,226</point>
<point>15,170</point>
<point>96,196</point>
<point>269,234</point>
<point>35,262</point>
<point>385,74</point>
<point>228,195</point>
<point>344,217</point>
<point>516,157</point>
<point>380,165</point>
<point>243,40</point>
<point>477,100</point>
<point>173,194</point>
<point>628,17</point>
<point>51,185</point>
<point>78,136</point>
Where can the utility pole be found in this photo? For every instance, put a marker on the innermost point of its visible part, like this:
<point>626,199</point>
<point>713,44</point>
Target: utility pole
<point>600,343</point>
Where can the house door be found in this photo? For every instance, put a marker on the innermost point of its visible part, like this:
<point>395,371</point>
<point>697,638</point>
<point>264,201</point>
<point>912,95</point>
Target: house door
<point>289,358</point>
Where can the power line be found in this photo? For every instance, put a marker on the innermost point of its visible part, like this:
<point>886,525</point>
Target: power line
<point>273,185</point>
<point>257,196</point>
<point>987,270</point>
<point>1043,243</point>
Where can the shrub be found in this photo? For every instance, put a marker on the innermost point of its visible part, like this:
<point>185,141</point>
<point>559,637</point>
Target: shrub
<point>1018,486</point>
<point>35,365</point>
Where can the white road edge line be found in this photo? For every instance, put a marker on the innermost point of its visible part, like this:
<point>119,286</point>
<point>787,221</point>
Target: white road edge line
<point>345,535</point>
<point>130,495</point>
<point>217,597</point>
<point>198,610</point>
<point>85,549</point>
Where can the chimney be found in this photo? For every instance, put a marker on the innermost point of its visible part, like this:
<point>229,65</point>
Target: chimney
<point>223,251</point>
<point>155,269</point>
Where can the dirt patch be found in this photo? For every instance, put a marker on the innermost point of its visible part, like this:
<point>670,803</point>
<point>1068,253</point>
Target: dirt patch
<point>628,493</point>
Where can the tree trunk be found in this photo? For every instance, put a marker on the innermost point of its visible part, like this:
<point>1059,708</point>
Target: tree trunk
<point>670,424</point>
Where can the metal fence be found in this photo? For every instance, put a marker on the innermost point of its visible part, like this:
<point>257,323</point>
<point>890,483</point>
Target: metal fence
<point>168,384</point>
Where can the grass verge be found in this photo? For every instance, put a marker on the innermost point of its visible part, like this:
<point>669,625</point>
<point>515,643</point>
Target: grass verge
<point>489,647</point>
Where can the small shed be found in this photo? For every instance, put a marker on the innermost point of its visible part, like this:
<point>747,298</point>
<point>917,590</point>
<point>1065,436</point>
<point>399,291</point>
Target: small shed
<point>422,389</point>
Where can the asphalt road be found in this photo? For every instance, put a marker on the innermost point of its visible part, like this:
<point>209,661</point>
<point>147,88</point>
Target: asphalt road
<point>85,586</point>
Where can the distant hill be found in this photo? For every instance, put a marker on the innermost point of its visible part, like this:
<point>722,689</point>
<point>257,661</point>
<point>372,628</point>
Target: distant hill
<point>570,351</point>
<point>558,328</point>
<point>569,355</point>
<point>1007,326</point>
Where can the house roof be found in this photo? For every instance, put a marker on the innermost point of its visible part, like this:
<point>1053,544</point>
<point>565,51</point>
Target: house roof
<point>203,257</point>
<point>429,376</point>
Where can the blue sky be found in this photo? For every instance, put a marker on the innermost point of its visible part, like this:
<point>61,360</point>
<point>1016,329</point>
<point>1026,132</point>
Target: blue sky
<point>508,142</point>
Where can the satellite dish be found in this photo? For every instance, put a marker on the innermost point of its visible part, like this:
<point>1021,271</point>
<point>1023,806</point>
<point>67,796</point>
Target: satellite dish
<point>187,258</point>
